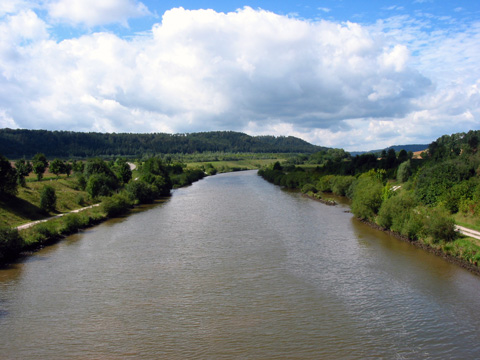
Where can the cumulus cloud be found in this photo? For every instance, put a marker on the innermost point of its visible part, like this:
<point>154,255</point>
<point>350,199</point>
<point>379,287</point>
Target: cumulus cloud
<point>96,12</point>
<point>251,70</point>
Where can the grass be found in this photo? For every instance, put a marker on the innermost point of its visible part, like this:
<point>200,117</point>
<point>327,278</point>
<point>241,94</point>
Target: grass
<point>26,206</point>
<point>469,221</point>
<point>227,165</point>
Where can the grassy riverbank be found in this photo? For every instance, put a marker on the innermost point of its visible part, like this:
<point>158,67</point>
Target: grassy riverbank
<point>71,195</point>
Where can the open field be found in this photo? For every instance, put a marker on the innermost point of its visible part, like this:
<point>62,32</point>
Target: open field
<point>226,165</point>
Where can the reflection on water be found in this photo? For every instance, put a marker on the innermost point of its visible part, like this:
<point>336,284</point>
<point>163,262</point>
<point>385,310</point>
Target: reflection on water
<point>233,267</point>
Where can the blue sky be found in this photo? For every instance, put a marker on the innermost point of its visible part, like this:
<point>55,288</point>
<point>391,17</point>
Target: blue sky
<point>339,73</point>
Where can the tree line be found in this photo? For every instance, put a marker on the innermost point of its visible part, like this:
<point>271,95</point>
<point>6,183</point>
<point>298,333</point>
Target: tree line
<point>17,144</point>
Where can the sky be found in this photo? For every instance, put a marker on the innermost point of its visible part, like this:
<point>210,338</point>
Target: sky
<point>338,73</point>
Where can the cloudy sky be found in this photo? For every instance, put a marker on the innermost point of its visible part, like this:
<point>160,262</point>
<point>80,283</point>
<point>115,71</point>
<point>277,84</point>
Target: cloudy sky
<point>340,73</point>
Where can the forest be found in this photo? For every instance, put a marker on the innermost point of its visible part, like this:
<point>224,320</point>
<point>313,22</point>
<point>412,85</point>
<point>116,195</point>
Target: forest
<point>419,199</point>
<point>16,144</point>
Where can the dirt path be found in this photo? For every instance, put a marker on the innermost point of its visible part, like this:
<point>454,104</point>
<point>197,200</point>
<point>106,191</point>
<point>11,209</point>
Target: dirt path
<point>468,232</point>
<point>30,224</point>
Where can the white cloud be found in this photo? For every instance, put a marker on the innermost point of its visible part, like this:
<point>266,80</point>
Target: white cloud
<point>95,12</point>
<point>342,85</point>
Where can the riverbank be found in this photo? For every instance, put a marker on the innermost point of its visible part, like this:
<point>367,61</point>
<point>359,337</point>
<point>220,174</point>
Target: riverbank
<point>447,251</point>
<point>436,249</point>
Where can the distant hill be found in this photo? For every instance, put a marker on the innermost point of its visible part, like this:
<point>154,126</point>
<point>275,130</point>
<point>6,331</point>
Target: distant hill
<point>16,144</point>
<point>407,148</point>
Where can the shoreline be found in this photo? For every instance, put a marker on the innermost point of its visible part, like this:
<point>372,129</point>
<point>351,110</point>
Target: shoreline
<point>474,269</point>
<point>421,245</point>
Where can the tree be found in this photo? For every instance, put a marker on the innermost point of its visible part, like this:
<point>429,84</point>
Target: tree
<point>404,171</point>
<point>122,170</point>
<point>48,199</point>
<point>367,197</point>
<point>57,167</point>
<point>8,177</point>
<point>68,169</point>
<point>40,164</point>
<point>10,243</point>
<point>402,156</point>
<point>23,168</point>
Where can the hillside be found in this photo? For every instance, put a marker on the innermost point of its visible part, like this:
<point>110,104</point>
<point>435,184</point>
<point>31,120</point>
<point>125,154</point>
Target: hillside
<point>16,144</point>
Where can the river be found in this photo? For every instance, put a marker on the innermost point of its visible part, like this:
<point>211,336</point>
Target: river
<point>233,267</point>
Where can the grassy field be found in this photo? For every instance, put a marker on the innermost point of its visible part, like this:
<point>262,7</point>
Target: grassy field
<point>226,165</point>
<point>26,206</point>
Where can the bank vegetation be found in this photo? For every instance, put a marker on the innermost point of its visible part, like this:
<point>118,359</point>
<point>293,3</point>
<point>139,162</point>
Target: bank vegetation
<point>419,199</point>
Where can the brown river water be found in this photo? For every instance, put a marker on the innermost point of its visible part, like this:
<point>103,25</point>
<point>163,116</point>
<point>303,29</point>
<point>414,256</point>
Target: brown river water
<point>233,267</point>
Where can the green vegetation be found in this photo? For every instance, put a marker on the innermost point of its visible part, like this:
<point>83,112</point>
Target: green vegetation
<point>95,181</point>
<point>416,198</point>
<point>17,144</point>
<point>48,199</point>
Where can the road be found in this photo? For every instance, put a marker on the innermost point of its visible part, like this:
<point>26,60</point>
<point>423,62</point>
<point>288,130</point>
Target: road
<point>468,232</point>
<point>30,224</point>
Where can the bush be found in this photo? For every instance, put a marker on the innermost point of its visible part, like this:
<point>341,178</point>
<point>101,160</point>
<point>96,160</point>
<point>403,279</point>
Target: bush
<point>324,184</point>
<point>367,197</point>
<point>42,232</point>
<point>101,185</point>
<point>141,191</point>
<point>340,184</point>
<point>404,171</point>
<point>8,177</point>
<point>71,223</point>
<point>10,243</point>
<point>439,225</point>
<point>396,211</point>
<point>116,205</point>
<point>48,199</point>
<point>309,188</point>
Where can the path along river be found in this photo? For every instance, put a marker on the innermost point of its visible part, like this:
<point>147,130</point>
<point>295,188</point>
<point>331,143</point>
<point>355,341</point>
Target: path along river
<point>233,267</point>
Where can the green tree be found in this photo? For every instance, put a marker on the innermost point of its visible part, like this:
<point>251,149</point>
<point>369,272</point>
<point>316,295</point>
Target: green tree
<point>10,243</point>
<point>23,168</point>
<point>40,165</point>
<point>122,170</point>
<point>68,169</point>
<point>367,197</point>
<point>404,171</point>
<point>48,199</point>
<point>8,177</point>
<point>57,167</point>
<point>141,191</point>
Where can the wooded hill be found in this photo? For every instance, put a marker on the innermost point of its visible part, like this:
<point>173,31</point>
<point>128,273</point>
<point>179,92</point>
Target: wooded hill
<point>16,144</point>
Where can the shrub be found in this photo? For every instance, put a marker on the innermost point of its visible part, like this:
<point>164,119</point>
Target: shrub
<point>340,184</point>
<point>116,205</point>
<point>48,199</point>
<point>439,225</point>
<point>8,177</point>
<point>42,232</point>
<point>309,188</point>
<point>396,211</point>
<point>80,200</point>
<point>10,243</point>
<point>367,197</point>
<point>324,184</point>
<point>404,171</point>
<point>141,191</point>
<point>71,223</point>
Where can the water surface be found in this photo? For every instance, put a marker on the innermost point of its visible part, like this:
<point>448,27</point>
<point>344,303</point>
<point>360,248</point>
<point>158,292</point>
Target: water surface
<point>233,267</point>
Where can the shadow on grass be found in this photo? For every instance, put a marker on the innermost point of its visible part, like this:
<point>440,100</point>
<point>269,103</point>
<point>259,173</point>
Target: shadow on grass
<point>22,208</point>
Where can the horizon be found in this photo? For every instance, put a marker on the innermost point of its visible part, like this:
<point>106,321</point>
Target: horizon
<point>335,73</point>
